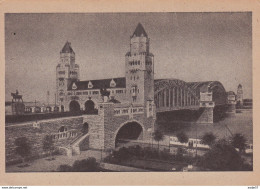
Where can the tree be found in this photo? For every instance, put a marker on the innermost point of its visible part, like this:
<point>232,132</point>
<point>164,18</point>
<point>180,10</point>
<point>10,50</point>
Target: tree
<point>86,165</point>
<point>182,137</point>
<point>23,147</point>
<point>208,139</point>
<point>48,144</point>
<point>65,168</point>
<point>158,136</point>
<point>239,141</point>
<point>222,157</point>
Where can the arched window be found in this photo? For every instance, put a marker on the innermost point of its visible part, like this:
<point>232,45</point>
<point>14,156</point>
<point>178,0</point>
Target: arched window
<point>62,129</point>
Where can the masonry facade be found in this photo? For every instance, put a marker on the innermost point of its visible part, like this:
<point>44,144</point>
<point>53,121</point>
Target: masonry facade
<point>136,87</point>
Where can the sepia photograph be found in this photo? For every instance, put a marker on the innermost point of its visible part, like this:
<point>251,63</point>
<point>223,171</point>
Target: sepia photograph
<point>128,92</point>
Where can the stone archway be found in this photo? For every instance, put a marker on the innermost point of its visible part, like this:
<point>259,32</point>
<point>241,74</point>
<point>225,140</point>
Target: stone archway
<point>74,106</point>
<point>129,131</point>
<point>85,128</point>
<point>89,107</point>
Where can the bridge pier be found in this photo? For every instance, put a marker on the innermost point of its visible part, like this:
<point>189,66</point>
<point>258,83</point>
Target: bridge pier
<point>231,108</point>
<point>206,116</point>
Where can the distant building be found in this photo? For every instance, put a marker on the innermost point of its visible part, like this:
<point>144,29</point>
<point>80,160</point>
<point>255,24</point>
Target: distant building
<point>37,107</point>
<point>248,103</point>
<point>240,95</point>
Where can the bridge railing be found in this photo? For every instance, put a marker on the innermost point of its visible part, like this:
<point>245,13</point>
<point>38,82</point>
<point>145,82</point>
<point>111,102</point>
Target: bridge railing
<point>120,111</point>
<point>127,111</point>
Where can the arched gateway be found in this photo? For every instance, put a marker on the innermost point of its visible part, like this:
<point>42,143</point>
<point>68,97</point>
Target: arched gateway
<point>129,131</point>
<point>89,106</point>
<point>74,106</point>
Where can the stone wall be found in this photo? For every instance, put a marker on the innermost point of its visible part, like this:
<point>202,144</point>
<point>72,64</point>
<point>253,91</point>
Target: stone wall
<point>113,123</point>
<point>96,129</point>
<point>102,129</point>
<point>36,133</point>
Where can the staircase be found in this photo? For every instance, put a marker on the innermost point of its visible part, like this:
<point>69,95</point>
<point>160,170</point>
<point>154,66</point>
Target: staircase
<point>75,139</point>
<point>76,142</point>
<point>73,146</point>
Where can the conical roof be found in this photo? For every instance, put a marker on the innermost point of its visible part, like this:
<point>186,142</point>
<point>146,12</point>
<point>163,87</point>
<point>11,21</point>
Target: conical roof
<point>139,31</point>
<point>67,48</point>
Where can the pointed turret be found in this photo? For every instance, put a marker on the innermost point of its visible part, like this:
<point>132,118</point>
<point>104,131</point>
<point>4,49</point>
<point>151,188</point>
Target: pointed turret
<point>67,48</point>
<point>139,31</point>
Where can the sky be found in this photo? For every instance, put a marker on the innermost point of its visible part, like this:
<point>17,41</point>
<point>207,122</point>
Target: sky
<point>187,46</point>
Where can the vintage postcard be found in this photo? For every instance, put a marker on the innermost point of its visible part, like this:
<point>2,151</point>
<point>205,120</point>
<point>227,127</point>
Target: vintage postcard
<point>132,90</point>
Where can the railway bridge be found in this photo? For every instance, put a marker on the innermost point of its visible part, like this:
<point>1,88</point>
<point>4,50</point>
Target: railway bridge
<point>203,102</point>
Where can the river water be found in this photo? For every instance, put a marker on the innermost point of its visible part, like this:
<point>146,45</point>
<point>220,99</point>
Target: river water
<point>233,123</point>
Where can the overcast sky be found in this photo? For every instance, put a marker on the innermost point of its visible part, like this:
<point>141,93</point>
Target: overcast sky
<point>186,46</point>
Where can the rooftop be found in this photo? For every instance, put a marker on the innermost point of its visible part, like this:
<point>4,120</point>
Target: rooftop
<point>99,84</point>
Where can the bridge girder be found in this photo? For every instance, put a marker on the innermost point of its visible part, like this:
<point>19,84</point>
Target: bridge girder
<point>172,83</point>
<point>194,89</point>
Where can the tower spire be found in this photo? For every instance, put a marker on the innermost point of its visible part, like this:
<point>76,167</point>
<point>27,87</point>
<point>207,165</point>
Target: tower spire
<point>67,48</point>
<point>139,31</point>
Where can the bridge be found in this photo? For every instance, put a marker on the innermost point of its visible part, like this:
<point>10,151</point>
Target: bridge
<point>123,121</point>
<point>174,95</point>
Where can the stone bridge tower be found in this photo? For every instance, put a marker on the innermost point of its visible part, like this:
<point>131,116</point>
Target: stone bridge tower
<point>139,68</point>
<point>66,72</point>
<point>240,94</point>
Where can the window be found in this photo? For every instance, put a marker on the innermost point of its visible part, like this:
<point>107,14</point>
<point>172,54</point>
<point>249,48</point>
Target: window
<point>62,129</point>
<point>125,111</point>
<point>61,81</point>
<point>78,93</point>
<point>119,91</point>
<point>85,93</point>
<point>117,111</point>
<point>95,92</point>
